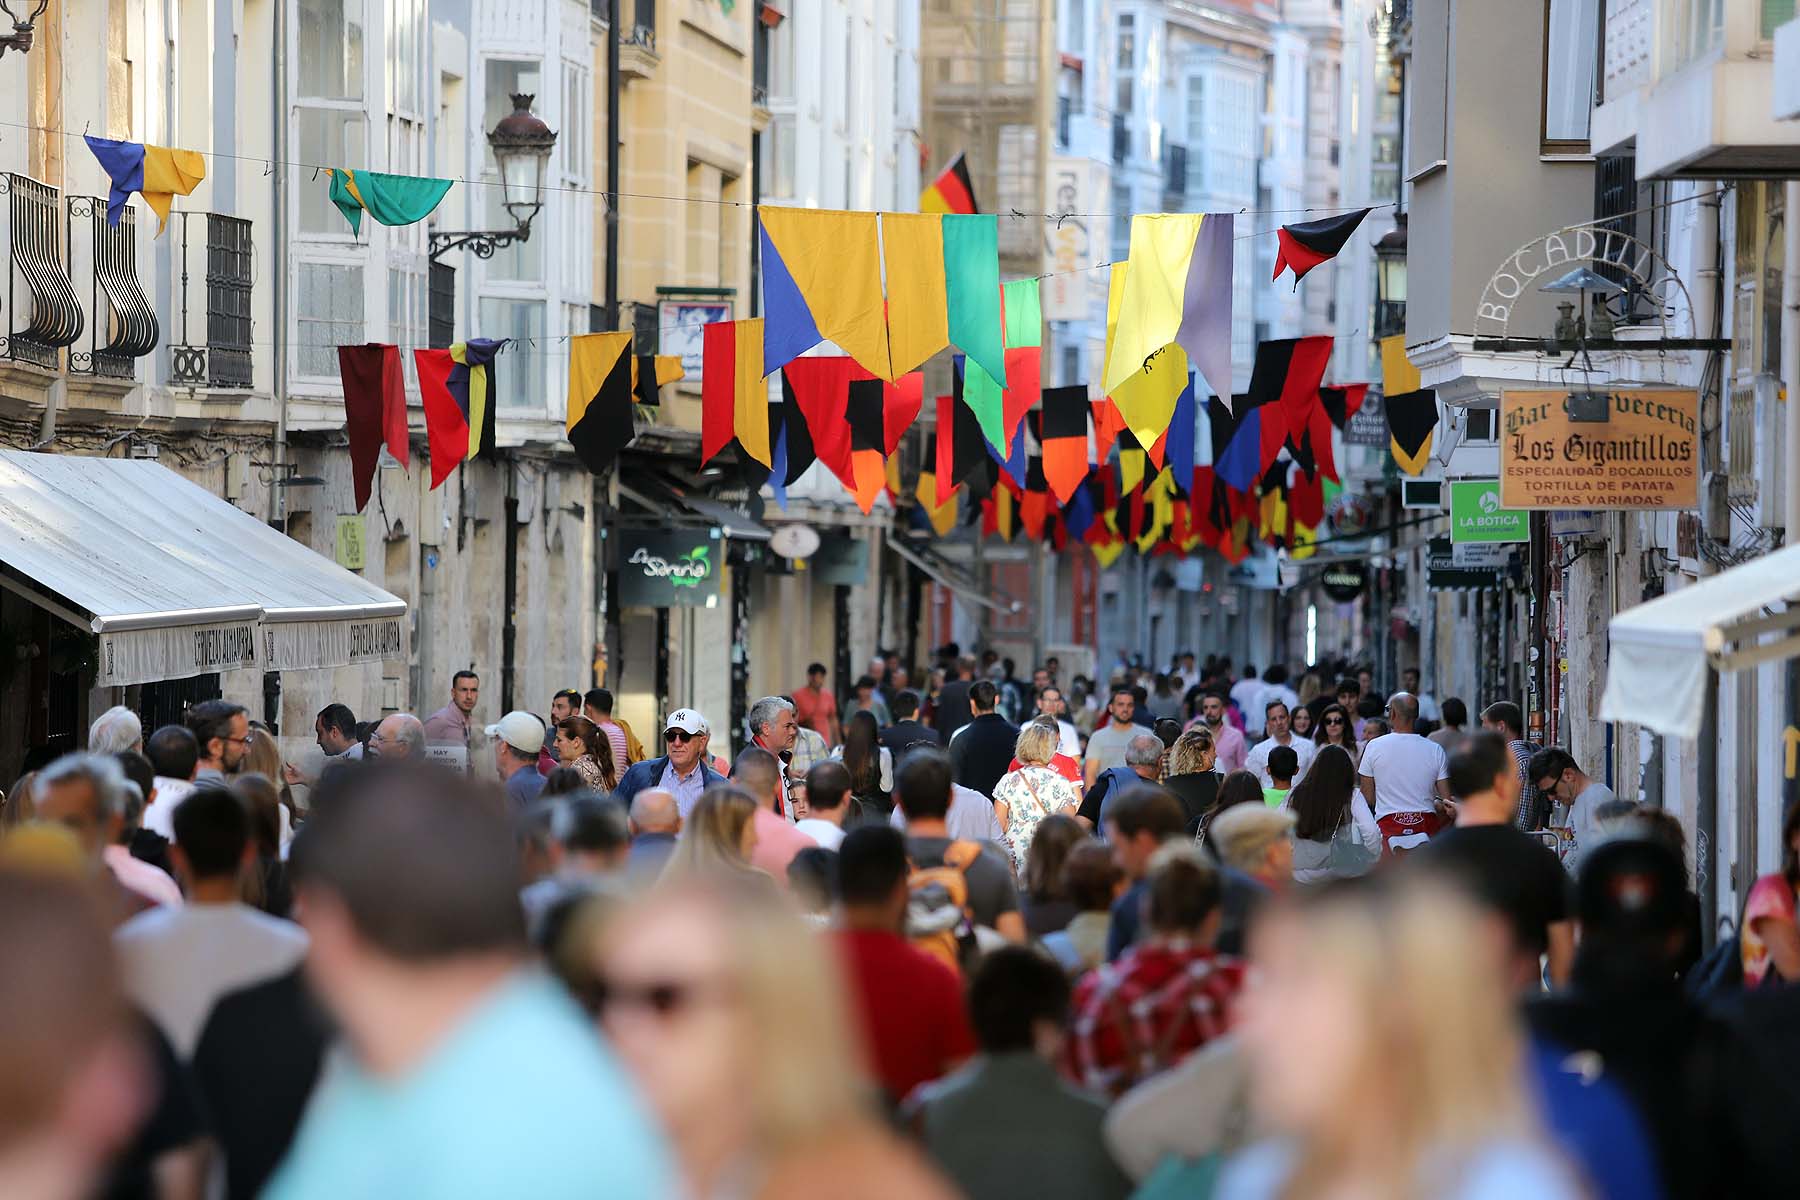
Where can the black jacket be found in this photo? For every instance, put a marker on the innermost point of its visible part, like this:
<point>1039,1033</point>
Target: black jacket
<point>953,710</point>
<point>981,753</point>
<point>902,736</point>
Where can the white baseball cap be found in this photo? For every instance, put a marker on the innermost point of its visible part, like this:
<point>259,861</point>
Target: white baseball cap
<point>688,721</point>
<point>520,730</point>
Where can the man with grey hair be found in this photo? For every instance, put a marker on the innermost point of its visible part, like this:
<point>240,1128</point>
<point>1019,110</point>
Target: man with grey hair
<point>1143,764</point>
<point>655,823</point>
<point>400,735</point>
<point>774,723</point>
<point>85,794</point>
<point>116,729</point>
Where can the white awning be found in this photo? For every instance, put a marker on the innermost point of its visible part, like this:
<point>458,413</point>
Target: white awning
<point>1662,649</point>
<point>176,581</point>
<point>943,571</point>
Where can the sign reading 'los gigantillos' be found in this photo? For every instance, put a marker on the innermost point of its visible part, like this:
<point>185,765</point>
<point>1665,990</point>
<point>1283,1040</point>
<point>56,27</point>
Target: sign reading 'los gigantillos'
<point>1618,449</point>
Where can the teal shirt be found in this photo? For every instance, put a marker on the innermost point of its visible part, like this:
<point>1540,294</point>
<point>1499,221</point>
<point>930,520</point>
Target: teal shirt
<point>523,1099</point>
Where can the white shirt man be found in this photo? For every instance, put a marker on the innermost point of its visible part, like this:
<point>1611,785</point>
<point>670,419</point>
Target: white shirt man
<point>1276,721</point>
<point>1404,777</point>
<point>1051,704</point>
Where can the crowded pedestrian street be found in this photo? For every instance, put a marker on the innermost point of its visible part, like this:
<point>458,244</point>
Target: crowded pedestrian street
<point>897,600</point>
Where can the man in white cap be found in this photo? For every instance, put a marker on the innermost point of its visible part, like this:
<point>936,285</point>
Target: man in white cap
<point>682,771</point>
<point>517,739</point>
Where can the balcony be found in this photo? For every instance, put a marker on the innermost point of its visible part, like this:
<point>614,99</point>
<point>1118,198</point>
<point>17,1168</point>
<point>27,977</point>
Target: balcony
<point>638,58</point>
<point>121,328</point>
<point>212,261</point>
<point>1121,138</point>
<point>1175,177</point>
<point>42,313</point>
<point>1694,83</point>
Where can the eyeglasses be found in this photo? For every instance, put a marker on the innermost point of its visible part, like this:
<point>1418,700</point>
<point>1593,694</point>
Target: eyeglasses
<point>678,735</point>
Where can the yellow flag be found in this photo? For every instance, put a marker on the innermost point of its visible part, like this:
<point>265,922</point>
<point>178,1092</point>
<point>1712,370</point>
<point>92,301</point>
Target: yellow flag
<point>1398,375</point>
<point>1162,248</point>
<point>1147,399</point>
<point>912,249</point>
<point>1107,553</point>
<point>834,259</point>
<point>167,174</point>
<point>943,517</point>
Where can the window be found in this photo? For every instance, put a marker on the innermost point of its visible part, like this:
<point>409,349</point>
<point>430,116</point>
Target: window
<point>330,35</point>
<point>327,135</point>
<point>778,157</point>
<point>1774,13</point>
<point>405,55</point>
<point>328,313</point>
<point>1571,36</point>
<point>521,368</point>
<point>408,322</point>
<point>1121,220</point>
<point>572,139</point>
<point>1125,61</point>
<point>781,63</point>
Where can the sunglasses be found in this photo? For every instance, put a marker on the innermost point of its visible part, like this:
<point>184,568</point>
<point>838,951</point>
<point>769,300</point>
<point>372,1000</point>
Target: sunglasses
<point>678,735</point>
<point>1334,720</point>
<point>663,998</point>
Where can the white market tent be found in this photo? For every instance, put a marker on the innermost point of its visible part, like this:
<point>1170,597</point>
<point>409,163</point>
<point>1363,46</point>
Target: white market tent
<point>176,581</point>
<point>1662,649</point>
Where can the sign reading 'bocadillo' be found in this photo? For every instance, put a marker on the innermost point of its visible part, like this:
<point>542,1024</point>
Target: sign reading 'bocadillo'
<point>1640,449</point>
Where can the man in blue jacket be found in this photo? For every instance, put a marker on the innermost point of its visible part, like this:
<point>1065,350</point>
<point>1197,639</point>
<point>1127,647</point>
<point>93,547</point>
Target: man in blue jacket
<point>682,769</point>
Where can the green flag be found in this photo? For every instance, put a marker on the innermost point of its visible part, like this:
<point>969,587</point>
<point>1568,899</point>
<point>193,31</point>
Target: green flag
<point>972,290</point>
<point>985,398</point>
<point>390,199</point>
<point>1024,313</point>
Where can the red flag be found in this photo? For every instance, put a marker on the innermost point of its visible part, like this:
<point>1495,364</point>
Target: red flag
<point>374,410</point>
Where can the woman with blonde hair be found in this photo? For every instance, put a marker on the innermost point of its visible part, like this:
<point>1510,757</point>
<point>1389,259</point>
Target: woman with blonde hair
<point>1192,775</point>
<point>580,744</point>
<point>717,840</point>
<point>1384,1054</point>
<point>263,757</point>
<point>1027,795</point>
<point>733,1020</point>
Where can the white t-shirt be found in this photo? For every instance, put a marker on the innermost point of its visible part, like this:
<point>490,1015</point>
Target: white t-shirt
<point>178,961</point>
<point>823,832</point>
<point>159,817</point>
<point>1406,769</point>
<point>1258,760</point>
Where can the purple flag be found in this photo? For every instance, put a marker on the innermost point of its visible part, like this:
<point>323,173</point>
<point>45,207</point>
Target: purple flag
<point>1205,333</point>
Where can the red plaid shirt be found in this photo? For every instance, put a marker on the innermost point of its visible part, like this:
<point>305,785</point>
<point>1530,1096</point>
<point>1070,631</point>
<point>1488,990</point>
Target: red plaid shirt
<point>1161,1001</point>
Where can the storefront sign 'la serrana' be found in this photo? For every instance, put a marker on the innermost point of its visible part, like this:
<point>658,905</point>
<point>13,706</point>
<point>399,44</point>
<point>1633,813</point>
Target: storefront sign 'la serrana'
<point>670,569</point>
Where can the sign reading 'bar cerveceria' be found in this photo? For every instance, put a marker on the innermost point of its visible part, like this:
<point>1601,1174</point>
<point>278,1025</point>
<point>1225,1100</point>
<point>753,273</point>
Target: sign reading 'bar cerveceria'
<point>1645,454</point>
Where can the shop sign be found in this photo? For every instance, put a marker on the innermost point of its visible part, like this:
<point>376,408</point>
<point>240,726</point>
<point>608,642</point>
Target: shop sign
<point>1073,186</point>
<point>1344,581</point>
<point>1476,515</point>
<point>352,554</point>
<point>841,559</point>
<point>1368,425</point>
<point>675,568</point>
<point>1643,455</point>
<point>1443,575</point>
<point>1480,554</point>
<point>175,652</point>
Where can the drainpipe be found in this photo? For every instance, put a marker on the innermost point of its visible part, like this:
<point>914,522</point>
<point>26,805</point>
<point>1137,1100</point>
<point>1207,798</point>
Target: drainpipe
<point>1790,372</point>
<point>1715,518</point>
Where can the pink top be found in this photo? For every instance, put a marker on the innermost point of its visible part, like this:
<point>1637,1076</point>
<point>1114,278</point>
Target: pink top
<point>777,842</point>
<point>1769,897</point>
<point>136,875</point>
<point>620,751</point>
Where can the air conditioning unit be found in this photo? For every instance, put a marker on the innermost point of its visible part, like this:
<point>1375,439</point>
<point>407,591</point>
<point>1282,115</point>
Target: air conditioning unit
<point>1755,433</point>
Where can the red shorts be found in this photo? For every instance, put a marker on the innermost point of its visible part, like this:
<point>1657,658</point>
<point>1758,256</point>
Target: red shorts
<point>1402,833</point>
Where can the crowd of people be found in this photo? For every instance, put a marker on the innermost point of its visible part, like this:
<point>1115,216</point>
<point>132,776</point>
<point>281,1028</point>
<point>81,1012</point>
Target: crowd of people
<point>1192,933</point>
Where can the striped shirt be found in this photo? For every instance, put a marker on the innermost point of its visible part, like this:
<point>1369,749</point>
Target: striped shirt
<point>616,737</point>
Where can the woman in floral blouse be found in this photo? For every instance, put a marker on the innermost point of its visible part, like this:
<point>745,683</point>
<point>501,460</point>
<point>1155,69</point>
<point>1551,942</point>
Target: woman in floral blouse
<point>580,744</point>
<point>1033,791</point>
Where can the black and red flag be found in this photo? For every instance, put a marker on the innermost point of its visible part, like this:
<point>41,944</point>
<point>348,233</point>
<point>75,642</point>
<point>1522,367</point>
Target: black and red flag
<point>1342,403</point>
<point>1307,244</point>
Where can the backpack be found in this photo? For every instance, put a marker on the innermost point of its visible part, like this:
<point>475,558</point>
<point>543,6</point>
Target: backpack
<point>938,918</point>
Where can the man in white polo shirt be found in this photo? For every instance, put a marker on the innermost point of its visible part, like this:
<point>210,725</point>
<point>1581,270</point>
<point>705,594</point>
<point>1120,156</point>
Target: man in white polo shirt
<point>1405,777</point>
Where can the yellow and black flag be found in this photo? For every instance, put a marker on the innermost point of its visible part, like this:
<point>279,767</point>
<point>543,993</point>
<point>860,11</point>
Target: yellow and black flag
<point>599,425</point>
<point>1412,419</point>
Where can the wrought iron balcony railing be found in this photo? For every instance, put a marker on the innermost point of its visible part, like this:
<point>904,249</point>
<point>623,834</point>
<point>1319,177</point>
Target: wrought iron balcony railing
<point>121,326</point>
<point>214,251</point>
<point>42,313</point>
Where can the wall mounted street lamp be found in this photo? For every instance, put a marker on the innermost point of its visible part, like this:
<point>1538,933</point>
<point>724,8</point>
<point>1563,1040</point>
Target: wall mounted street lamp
<point>1390,280</point>
<point>20,38</point>
<point>521,145</point>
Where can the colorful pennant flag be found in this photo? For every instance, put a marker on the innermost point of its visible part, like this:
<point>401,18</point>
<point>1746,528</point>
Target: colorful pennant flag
<point>951,191</point>
<point>1412,419</point>
<point>734,400</point>
<point>1065,439</point>
<point>1398,375</point>
<point>820,387</point>
<point>390,199</point>
<point>1183,434</point>
<point>1342,403</point>
<point>158,173</point>
<point>867,437</point>
<point>972,290</point>
<point>1305,245</point>
<point>651,373</point>
<point>374,410</point>
<point>1205,333</point>
<point>1149,315</point>
<point>1034,504</point>
<point>821,273</point>
<point>1146,400</point>
<point>456,387</point>
<point>599,415</point>
<point>918,323</point>
<point>942,514</point>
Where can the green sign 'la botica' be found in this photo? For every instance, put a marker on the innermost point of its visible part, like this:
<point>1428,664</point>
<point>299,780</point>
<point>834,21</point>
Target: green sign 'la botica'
<point>1476,515</point>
